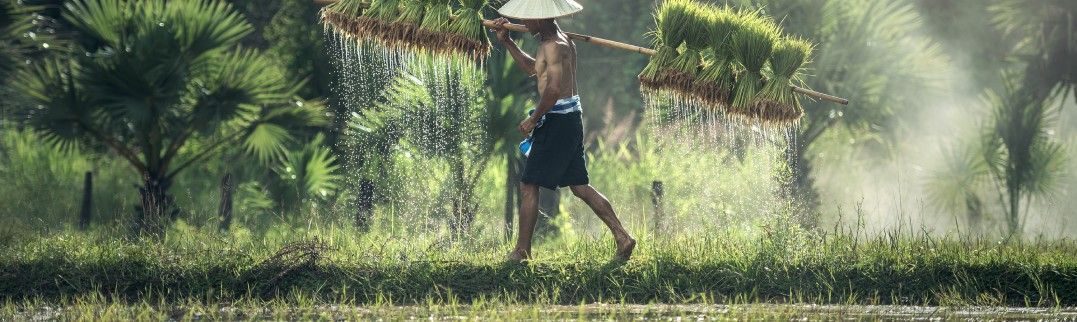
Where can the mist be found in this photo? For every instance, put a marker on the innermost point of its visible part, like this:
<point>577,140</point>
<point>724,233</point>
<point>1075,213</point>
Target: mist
<point>880,174</point>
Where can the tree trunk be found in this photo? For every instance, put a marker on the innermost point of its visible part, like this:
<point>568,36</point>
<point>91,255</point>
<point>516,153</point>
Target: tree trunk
<point>87,202</point>
<point>1014,213</point>
<point>157,207</point>
<point>799,187</point>
<point>462,217</point>
<point>974,211</point>
<point>364,212</point>
<point>658,191</point>
<point>225,210</point>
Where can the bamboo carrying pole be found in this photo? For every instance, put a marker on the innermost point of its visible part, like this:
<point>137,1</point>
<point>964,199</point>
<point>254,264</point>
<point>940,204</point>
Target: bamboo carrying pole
<point>633,48</point>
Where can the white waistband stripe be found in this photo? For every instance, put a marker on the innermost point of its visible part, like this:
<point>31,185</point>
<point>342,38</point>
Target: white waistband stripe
<point>567,105</point>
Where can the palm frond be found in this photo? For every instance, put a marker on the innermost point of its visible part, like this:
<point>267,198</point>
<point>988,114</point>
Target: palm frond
<point>64,112</point>
<point>296,114</point>
<point>18,37</point>
<point>898,61</point>
<point>234,82</point>
<point>1049,162</point>
<point>962,175</point>
<point>316,167</point>
<point>1046,31</point>
<point>104,21</point>
<point>207,25</point>
<point>1020,152</point>
<point>267,141</point>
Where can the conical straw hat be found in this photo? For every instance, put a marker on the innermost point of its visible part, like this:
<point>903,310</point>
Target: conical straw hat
<point>539,9</point>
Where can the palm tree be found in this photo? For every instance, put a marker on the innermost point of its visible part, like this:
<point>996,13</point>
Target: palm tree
<point>1017,153</point>
<point>1016,157</point>
<point>1020,152</point>
<point>433,115</point>
<point>362,77</point>
<point>163,85</point>
<point>1021,156</point>
<point>1047,42</point>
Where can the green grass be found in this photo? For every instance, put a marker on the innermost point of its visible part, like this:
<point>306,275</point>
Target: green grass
<point>772,265</point>
<point>98,308</point>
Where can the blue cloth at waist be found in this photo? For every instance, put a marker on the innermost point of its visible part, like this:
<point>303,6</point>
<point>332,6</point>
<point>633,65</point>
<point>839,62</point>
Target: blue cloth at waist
<point>562,106</point>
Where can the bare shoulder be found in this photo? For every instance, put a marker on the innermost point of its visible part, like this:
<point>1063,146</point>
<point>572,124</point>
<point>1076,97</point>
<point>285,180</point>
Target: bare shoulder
<point>555,44</point>
<point>555,49</point>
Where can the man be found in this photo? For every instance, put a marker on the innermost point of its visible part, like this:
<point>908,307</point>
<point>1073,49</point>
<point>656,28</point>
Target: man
<point>555,156</point>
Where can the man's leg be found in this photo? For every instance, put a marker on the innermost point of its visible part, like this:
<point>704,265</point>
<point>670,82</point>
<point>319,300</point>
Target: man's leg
<point>602,207</point>
<point>528,216</point>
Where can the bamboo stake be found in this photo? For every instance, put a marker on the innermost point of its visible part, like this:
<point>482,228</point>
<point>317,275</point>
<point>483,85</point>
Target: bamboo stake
<point>632,48</point>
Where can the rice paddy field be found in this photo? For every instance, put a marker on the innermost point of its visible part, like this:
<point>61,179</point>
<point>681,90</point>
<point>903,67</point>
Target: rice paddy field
<point>359,160</point>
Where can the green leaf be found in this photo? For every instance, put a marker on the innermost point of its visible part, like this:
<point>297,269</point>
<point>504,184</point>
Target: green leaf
<point>236,83</point>
<point>267,141</point>
<point>207,25</point>
<point>63,111</point>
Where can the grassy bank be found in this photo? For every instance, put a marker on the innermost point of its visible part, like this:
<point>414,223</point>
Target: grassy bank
<point>95,308</point>
<point>334,265</point>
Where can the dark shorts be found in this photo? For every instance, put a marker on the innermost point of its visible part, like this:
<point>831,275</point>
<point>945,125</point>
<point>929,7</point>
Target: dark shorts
<point>557,153</point>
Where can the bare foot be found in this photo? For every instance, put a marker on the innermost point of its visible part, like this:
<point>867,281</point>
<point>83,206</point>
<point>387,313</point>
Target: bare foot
<point>518,256</point>
<point>625,248</point>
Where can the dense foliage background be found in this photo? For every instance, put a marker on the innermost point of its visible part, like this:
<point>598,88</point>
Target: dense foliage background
<point>962,119</point>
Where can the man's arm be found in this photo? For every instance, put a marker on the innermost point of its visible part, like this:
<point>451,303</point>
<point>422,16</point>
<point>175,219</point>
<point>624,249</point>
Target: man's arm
<point>552,60</point>
<point>522,59</point>
<point>551,78</point>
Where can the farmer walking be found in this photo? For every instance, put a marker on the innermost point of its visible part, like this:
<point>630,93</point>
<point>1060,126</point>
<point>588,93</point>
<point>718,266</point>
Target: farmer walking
<point>554,149</point>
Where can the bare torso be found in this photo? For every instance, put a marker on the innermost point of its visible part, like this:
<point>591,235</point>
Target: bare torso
<point>565,49</point>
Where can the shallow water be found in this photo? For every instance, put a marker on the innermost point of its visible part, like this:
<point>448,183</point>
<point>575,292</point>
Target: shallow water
<point>660,312</point>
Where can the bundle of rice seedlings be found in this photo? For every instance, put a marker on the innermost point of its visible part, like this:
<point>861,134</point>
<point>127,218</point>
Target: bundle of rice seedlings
<point>751,45</point>
<point>470,36</point>
<point>777,102</point>
<point>405,28</point>
<point>347,7</point>
<point>670,18</point>
<point>342,18</point>
<point>433,30</point>
<point>716,80</point>
<point>684,68</point>
<point>376,20</point>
